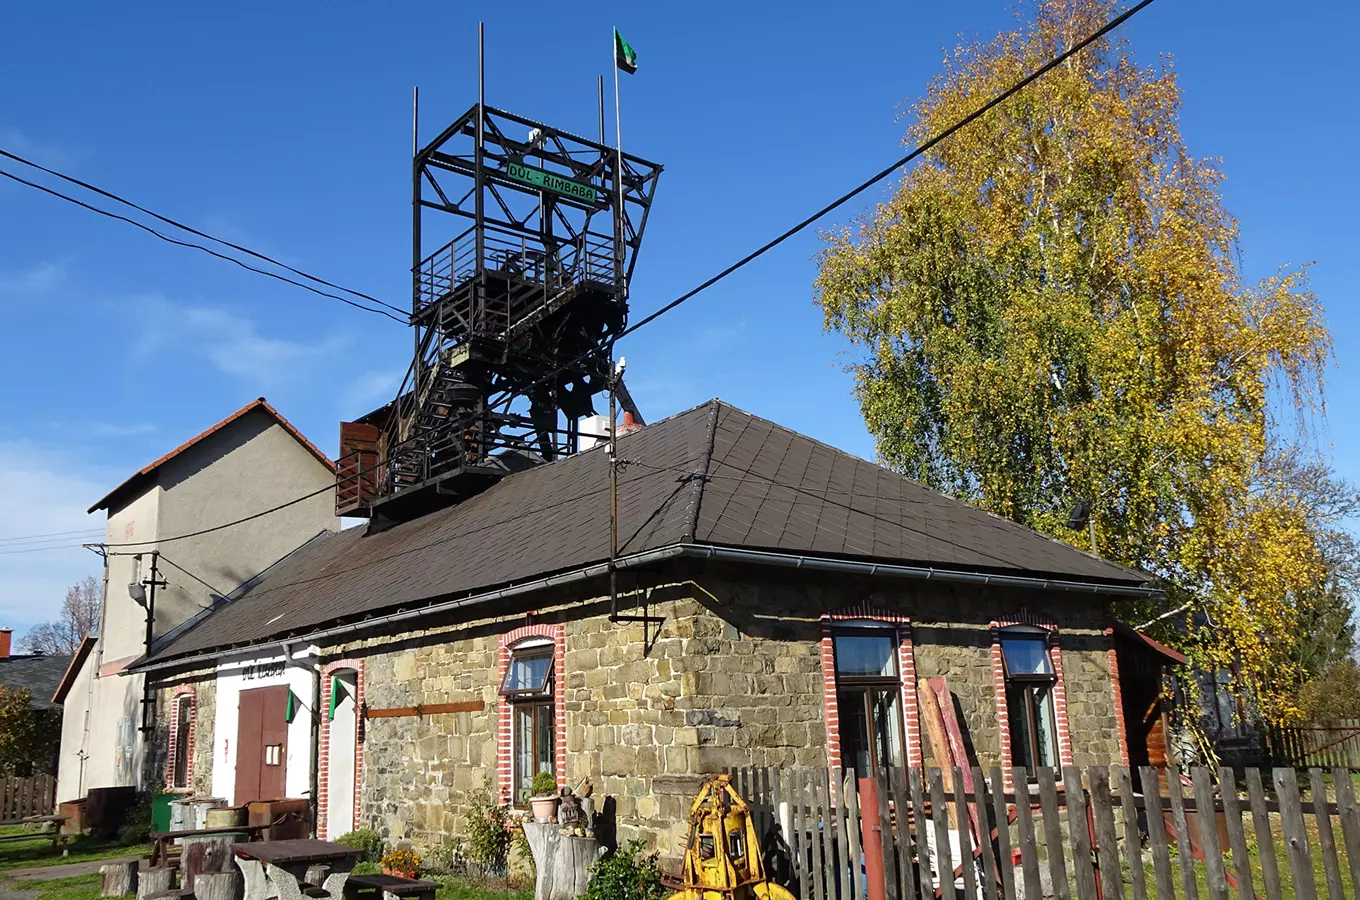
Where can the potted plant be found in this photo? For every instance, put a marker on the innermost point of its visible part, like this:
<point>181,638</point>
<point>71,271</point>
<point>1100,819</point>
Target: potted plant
<point>403,862</point>
<point>544,799</point>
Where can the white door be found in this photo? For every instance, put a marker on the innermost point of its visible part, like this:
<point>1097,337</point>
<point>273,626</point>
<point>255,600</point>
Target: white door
<point>340,774</point>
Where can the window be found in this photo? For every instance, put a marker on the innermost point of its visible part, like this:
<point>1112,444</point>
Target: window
<point>869,699</point>
<point>183,725</point>
<point>528,687</point>
<point>1029,697</point>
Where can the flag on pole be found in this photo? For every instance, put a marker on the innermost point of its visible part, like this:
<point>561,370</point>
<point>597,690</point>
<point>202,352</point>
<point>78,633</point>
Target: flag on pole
<point>624,56</point>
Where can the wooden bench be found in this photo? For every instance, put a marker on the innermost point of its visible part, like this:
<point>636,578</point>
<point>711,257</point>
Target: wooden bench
<point>388,887</point>
<point>54,835</point>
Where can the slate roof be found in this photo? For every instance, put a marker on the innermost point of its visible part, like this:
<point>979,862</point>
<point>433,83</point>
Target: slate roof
<point>40,674</point>
<point>142,474</point>
<point>711,475</point>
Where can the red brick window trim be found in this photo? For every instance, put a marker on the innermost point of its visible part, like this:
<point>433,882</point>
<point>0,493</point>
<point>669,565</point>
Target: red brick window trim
<point>183,715</point>
<point>1120,726</point>
<point>906,668</point>
<point>530,635</point>
<point>328,673</point>
<point>1026,619</point>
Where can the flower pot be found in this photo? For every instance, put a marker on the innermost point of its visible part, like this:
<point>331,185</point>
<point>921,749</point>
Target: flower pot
<point>545,808</point>
<point>397,872</point>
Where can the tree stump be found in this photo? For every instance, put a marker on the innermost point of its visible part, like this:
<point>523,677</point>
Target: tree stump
<point>117,879</point>
<point>562,862</point>
<point>218,886</point>
<point>156,880</point>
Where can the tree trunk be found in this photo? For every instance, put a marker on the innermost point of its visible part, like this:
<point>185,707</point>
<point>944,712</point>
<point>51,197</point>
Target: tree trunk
<point>562,862</point>
<point>217,886</point>
<point>156,880</point>
<point>118,879</point>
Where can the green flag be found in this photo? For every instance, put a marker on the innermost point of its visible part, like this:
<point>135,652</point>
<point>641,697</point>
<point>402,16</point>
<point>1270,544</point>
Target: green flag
<point>290,713</point>
<point>623,54</point>
<point>336,693</point>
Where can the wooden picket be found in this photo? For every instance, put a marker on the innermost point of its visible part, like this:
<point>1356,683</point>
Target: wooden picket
<point>1331,746</point>
<point>21,798</point>
<point>1086,827</point>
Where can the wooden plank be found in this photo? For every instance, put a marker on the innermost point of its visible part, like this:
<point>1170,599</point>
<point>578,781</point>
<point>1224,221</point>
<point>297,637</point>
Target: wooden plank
<point>906,873</point>
<point>775,781</point>
<point>1214,875</point>
<point>1291,819</point>
<point>965,818</point>
<point>918,804</point>
<point>1237,837</point>
<point>939,742</point>
<point>1156,825</point>
<point>885,840</point>
<point>1133,845</point>
<point>802,849</point>
<point>1053,836</point>
<point>1350,824</point>
<point>984,815</point>
<point>958,751</point>
<point>852,831</point>
<point>1079,833</point>
<point>1029,844</point>
<point>826,834</point>
<point>1185,859</point>
<point>842,841</point>
<point>1331,866</point>
<point>939,814</point>
<point>1001,815</point>
<point>1107,843</point>
<point>431,709</point>
<point>1265,841</point>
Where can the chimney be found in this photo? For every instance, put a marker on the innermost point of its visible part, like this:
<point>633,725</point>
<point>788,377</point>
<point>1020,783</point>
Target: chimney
<point>5,635</point>
<point>629,424</point>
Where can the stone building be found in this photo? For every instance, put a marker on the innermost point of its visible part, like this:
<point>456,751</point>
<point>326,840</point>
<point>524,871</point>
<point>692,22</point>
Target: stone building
<point>793,596</point>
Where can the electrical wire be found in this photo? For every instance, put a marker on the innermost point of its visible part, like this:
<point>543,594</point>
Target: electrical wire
<point>194,231</point>
<point>202,531</point>
<point>24,538</point>
<point>208,250</point>
<point>859,189</point>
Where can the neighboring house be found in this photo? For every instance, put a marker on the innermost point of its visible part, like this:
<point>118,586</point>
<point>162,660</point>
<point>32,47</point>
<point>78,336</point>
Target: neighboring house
<point>250,461</point>
<point>39,675</point>
<point>802,592</point>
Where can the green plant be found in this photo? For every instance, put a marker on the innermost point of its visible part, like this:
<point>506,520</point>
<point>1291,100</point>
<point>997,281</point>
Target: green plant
<point>449,858</point>
<point>403,859</point>
<point>136,825</point>
<point>626,874</point>
<point>488,832</point>
<point>367,841</point>
<point>366,868</point>
<point>544,785</point>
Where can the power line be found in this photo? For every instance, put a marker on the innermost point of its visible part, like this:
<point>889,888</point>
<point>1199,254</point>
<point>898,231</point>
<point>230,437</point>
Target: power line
<point>50,534</point>
<point>180,225</point>
<point>264,512</point>
<point>208,250</point>
<point>863,186</point>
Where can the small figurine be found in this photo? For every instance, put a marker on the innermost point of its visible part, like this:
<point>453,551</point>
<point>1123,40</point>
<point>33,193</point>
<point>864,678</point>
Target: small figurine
<point>570,817</point>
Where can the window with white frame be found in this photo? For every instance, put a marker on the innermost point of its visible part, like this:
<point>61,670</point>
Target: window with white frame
<point>1030,680</point>
<point>528,688</point>
<point>869,697</point>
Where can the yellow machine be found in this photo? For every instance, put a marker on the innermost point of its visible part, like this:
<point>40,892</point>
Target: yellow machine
<point>723,860</point>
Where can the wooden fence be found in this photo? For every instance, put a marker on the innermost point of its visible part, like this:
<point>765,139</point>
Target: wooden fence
<point>23,797</point>
<point>1076,833</point>
<point>1316,745</point>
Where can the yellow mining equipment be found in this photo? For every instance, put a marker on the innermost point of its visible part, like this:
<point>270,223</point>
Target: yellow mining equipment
<point>723,860</point>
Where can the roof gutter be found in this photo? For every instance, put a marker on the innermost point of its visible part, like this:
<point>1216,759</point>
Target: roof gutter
<point>689,551</point>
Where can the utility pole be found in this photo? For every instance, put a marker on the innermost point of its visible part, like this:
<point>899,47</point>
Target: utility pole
<point>155,581</point>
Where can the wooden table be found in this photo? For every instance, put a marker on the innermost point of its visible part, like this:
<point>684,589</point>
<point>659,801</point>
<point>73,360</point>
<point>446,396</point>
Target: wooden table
<point>283,865</point>
<point>161,840</point>
<point>54,835</point>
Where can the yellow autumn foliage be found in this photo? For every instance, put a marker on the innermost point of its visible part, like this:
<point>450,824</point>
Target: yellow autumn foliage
<point>1049,309</point>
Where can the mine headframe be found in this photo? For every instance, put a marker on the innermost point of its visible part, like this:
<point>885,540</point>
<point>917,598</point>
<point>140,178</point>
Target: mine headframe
<point>513,314</point>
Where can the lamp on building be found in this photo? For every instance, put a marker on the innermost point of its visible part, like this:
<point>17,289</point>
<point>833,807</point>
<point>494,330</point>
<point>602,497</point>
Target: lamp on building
<point>137,591</point>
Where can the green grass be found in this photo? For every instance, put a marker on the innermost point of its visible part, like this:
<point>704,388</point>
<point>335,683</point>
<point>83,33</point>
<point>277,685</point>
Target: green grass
<point>38,850</point>
<point>453,888</point>
<point>79,887</point>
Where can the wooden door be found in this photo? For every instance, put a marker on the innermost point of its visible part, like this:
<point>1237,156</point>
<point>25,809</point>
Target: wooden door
<point>261,744</point>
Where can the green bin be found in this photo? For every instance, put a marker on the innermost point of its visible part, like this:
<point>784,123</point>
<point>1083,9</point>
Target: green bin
<point>160,811</point>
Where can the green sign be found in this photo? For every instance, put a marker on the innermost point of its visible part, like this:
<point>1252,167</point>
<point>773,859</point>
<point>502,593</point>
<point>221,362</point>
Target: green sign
<point>550,182</point>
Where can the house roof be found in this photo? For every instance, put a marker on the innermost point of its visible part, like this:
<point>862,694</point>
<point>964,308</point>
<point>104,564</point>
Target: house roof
<point>143,474</point>
<point>1175,657</point>
<point>39,673</point>
<point>77,663</point>
<point>711,475</point>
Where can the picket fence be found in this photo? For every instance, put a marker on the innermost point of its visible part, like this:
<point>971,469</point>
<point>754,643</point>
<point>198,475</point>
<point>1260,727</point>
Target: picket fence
<point>1330,746</point>
<point>24,797</point>
<point>1076,833</point>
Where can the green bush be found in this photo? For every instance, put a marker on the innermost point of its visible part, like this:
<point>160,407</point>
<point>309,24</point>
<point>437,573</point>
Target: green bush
<point>488,832</point>
<point>366,868</point>
<point>626,874</point>
<point>136,825</point>
<point>367,841</point>
<point>543,785</point>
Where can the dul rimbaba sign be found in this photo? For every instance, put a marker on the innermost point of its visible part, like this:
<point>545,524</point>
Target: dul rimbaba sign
<point>550,182</point>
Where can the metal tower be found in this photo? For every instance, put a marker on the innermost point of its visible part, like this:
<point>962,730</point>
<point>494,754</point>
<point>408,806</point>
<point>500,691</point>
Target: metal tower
<point>524,239</point>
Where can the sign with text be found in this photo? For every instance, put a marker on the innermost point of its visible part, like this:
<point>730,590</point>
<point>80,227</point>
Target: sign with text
<point>549,182</point>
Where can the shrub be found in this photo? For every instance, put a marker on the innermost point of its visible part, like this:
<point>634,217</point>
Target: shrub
<point>449,858</point>
<point>367,841</point>
<point>488,831</point>
<point>403,860</point>
<point>625,874</point>
<point>136,825</point>
<point>366,868</point>
<point>543,785</point>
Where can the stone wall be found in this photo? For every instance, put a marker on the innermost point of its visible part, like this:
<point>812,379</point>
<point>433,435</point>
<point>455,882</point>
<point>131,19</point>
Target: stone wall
<point>205,713</point>
<point>733,677</point>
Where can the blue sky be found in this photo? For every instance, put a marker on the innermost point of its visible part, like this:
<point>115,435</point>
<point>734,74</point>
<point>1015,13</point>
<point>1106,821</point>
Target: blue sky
<point>288,129</point>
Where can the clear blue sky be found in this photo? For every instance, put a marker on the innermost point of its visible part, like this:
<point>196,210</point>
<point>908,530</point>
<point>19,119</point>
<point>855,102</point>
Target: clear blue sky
<point>289,130</point>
